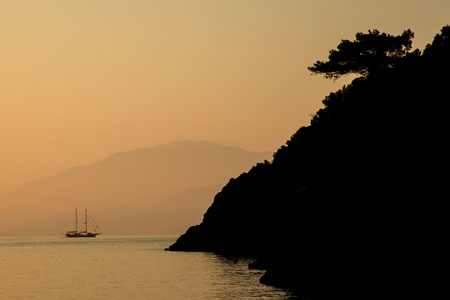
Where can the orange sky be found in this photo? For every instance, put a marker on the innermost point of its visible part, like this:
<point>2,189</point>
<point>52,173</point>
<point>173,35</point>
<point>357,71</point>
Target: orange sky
<point>80,80</point>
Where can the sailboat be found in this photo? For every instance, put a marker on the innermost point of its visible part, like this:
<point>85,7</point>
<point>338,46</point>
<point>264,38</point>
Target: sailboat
<point>85,233</point>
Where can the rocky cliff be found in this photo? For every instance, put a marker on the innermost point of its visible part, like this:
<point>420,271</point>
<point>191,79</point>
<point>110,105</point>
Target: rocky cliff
<point>353,205</point>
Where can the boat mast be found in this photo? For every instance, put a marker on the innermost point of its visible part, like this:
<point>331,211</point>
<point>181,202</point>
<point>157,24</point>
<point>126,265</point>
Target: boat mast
<point>85,218</point>
<point>76,220</point>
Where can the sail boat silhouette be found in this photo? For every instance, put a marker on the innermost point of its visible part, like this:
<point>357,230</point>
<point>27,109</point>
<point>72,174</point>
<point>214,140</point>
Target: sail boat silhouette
<point>85,233</point>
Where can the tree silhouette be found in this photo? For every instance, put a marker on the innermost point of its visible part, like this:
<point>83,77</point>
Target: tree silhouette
<point>351,207</point>
<point>368,53</point>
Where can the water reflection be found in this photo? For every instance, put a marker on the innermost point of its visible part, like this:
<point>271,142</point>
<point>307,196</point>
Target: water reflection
<point>122,268</point>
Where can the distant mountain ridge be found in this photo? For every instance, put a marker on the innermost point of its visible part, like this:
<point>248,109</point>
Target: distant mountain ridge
<point>137,177</point>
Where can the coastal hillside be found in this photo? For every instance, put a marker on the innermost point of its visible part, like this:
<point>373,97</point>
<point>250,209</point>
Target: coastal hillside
<point>125,185</point>
<point>352,206</point>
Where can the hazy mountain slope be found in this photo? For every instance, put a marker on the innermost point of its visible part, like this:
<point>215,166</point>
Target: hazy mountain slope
<point>11,180</point>
<point>142,176</point>
<point>185,208</point>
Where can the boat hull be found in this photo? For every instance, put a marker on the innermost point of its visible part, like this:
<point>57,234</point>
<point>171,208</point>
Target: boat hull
<point>81,235</point>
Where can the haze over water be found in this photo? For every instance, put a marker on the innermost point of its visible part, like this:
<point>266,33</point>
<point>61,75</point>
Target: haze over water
<point>125,267</point>
<point>87,87</point>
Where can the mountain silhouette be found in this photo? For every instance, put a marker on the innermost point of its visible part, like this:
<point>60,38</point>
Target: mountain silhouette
<point>139,178</point>
<point>354,205</point>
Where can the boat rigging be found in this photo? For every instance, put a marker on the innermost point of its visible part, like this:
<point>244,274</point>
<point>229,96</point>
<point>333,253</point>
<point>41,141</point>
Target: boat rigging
<point>85,233</point>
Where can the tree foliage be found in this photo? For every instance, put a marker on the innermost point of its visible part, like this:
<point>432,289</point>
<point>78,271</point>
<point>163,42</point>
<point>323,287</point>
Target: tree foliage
<point>352,205</point>
<point>367,53</point>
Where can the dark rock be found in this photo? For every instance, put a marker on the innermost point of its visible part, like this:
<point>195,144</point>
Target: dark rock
<point>258,265</point>
<point>353,206</point>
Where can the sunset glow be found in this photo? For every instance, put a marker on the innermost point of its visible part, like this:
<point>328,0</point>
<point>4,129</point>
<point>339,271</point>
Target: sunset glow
<point>83,79</point>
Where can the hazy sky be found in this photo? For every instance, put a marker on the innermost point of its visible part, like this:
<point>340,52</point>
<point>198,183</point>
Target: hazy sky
<point>80,80</point>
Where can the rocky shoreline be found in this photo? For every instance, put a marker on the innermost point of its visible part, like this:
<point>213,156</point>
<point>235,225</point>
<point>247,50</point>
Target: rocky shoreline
<point>351,207</point>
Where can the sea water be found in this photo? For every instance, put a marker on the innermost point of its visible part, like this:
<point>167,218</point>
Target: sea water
<point>122,267</point>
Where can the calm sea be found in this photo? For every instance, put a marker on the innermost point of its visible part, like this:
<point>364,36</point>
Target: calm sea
<point>125,267</point>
